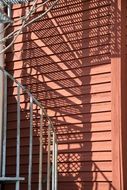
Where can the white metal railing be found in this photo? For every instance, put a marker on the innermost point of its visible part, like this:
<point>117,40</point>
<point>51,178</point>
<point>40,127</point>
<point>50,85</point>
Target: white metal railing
<point>51,144</point>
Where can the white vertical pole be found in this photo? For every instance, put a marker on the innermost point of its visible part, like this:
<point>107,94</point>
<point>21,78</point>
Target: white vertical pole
<point>1,87</point>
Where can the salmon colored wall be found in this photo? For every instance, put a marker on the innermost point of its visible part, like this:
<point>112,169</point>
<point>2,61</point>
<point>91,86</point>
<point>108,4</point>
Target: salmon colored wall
<point>124,91</point>
<point>65,61</point>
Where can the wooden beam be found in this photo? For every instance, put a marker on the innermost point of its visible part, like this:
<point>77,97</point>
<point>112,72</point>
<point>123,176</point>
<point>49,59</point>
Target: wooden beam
<point>124,92</point>
<point>116,61</point>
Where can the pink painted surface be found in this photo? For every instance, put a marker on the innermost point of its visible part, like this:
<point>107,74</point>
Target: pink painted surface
<point>65,62</point>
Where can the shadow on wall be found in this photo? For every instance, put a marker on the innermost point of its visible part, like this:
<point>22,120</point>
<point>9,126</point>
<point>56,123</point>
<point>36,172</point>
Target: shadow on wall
<point>66,65</point>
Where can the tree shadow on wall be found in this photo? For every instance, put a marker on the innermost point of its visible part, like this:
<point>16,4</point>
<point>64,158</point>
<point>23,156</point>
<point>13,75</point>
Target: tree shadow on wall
<point>66,65</point>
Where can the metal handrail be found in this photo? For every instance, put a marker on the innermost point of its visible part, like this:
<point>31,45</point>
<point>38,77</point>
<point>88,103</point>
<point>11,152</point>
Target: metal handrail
<point>29,94</point>
<point>52,145</point>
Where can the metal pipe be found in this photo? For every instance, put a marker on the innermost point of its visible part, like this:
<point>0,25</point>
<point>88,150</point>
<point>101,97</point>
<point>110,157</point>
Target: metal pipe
<point>56,155</point>
<point>18,139</point>
<point>41,150</point>
<point>53,162</point>
<point>5,127</point>
<point>48,159</point>
<point>9,10</point>
<point>1,89</point>
<point>11,179</point>
<point>30,144</point>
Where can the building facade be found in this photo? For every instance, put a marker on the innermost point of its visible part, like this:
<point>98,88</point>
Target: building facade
<point>74,62</point>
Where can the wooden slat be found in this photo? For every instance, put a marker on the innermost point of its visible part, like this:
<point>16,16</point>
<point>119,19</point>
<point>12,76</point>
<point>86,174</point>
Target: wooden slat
<point>73,108</point>
<point>66,138</point>
<point>86,185</point>
<point>60,69</point>
<point>55,82</point>
<point>37,52</point>
<point>83,41</point>
<point>67,157</point>
<point>68,167</point>
<point>65,79</point>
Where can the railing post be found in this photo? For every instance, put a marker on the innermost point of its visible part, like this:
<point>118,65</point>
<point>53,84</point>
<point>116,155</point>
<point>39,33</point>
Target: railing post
<point>30,144</point>
<point>53,162</point>
<point>1,90</point>
<point>48,158</point>
<point>4,127</point>
<point>56,155</point>
<point>18,139</point>
<point>41,150</point>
